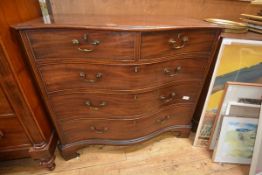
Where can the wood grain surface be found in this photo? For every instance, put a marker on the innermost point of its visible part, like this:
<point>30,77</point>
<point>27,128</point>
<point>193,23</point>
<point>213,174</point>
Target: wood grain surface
<point>73,105</point>
<point>58,44</point>
<point>157,44</point>
<point>162,155</point>
<point>84,129</point>
<point>200,9</point>
<point>120,77</point>
<point>87,96</point>
<point>26,130</point>
<point>117,22</point>
<point>13,134</point>
<point>5,108</point>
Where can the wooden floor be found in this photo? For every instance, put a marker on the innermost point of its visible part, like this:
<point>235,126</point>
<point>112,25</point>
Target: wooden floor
<point>164,155</point>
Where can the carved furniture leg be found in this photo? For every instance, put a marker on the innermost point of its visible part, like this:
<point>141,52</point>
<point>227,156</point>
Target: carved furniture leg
<point>45,152</point>
<point>48,163</point>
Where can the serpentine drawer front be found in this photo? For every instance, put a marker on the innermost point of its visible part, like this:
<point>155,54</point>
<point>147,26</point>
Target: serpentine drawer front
<point>119,77</point>
<point>117,129</point>
<point>117,83</point>
<point>87,104</point>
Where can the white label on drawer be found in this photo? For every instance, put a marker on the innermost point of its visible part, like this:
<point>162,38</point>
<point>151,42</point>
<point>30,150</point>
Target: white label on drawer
<point>186,98</point>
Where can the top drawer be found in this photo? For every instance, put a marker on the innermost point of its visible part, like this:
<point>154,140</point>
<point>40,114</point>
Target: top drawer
<point>69,43</point>
<point>177,42</point>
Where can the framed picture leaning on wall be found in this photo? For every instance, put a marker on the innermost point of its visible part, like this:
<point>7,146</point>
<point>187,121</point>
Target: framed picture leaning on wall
<point>235,127</point>
<point>236,140</point>
<point>238,61</point>
<point>248,97</point>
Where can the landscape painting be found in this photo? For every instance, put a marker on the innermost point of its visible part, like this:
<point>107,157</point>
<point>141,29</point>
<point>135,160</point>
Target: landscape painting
<point>236,141</point>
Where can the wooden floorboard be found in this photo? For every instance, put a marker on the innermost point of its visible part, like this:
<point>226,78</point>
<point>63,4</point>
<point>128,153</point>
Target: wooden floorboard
<point>163,155</point>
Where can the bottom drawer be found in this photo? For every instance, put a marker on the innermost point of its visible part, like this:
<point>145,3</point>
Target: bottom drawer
<point>12,133</point>
<point>117,129</point>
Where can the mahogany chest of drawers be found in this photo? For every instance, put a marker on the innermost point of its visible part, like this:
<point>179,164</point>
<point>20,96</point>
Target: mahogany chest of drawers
<point>118,81</point>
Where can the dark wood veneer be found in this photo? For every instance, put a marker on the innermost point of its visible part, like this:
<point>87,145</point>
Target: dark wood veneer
<point>117,129</point>
<point>50,43</point>
<point>72,104</point>
<point>5,108</point>
<point>12,133</point>
<point>24,122</point>
<point>21,130</point>
<point>123,93</point>
<point>120,77</point>
<point>156,44</point>
<point>68,151</point>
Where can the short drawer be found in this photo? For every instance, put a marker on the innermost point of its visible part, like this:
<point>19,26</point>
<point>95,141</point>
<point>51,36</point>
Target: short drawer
<point>121,105</point>
<point>12,133</point>
<point>177,42</point>
<point>86,44</point>
<point>83,129</point>
<point>120,77</point>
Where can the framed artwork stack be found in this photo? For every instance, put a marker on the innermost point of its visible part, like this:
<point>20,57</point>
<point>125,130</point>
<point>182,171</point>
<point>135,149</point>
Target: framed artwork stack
<point>231,120</point>
<point>238,61</point>
<point>236,123</point>
<point>239,100</point>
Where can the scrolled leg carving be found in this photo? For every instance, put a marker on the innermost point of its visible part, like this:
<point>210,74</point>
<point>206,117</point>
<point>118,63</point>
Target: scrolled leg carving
<point>48,163</point>
<point>44,152</point>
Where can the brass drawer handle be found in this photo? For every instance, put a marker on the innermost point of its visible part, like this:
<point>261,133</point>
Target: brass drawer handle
<point>84,76</point>
<point>182,40</point>
<point>169,72</point>
<point>99,131</point>
<point>162,120</point>
<point>169,98</point>
<point>1,134</point>
<point>85,39</point>
<point>93,107</point>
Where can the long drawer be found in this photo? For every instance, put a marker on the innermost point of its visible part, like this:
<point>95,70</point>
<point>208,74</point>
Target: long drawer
<point>82,129</point>
<point>81,104</point>
<point>119,77</point>
<point>86,44</point>
<point>177,42</point>
<point>12,133</point>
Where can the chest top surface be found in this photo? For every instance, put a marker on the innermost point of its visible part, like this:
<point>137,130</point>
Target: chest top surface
<point>116,22</point>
